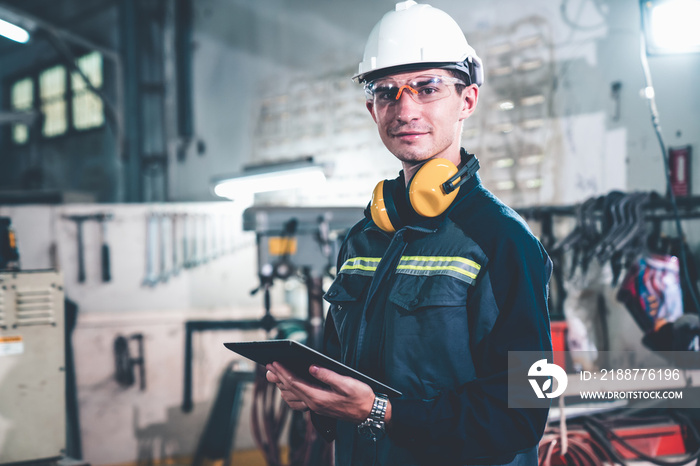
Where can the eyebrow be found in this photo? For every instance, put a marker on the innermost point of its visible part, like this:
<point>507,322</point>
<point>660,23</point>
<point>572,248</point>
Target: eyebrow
<point>417,78</point>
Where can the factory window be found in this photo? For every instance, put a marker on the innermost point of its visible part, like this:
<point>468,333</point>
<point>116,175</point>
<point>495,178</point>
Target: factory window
<point>64,99</point>
<point>22,100</point>
<point>87,106</point>
<point>52,91</point>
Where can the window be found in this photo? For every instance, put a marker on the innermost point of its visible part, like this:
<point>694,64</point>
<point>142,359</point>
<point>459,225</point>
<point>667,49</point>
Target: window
<point>22,100</point>
<point>65,100</point>
<point>52,92</point>
<point>87,106</point>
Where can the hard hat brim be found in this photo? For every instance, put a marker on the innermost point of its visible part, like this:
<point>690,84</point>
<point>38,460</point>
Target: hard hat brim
<point>362,78</point>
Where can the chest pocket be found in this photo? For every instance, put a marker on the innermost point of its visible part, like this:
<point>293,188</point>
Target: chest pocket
<point>412,294</point>
<point>347,296</point>
<point>432,281</point>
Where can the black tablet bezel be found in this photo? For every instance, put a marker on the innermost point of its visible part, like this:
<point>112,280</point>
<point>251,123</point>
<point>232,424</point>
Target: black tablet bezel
<point>298,357</point>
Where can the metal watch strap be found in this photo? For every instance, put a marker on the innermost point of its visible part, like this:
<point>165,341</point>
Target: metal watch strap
<point>379,406</point>
<point>374,424</point>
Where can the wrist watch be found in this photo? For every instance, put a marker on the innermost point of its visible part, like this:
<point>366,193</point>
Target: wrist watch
<point>373,427</point>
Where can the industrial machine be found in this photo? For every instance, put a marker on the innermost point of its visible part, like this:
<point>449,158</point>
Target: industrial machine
<point>300,243</point>
<point>32,366</point>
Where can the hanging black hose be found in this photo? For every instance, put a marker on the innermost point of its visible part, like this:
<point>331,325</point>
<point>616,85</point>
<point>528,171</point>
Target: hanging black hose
<point>269,416</point>
<point>124,363</point>
<point>124,373</point>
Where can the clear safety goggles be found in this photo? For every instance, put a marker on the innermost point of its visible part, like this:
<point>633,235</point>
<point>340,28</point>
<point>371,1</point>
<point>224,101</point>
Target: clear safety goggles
<point>422,89</point>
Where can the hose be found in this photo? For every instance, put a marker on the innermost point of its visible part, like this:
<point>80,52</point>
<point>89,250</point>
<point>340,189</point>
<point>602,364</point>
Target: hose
<point>269,416</point>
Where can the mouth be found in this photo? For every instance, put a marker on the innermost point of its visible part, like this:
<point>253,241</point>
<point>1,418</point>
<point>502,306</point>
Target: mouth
<point>409,135</point>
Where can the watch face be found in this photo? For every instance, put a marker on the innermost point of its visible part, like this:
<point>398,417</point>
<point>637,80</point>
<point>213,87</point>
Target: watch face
<point>371,431</point>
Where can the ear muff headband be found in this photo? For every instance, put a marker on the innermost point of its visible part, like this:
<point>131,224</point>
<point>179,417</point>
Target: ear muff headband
<point>383,208</point>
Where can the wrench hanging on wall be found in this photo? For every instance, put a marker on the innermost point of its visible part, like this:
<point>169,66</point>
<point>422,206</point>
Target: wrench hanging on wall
<point>204,252</point>
<point>151,279</point>
<point>174,244</point>
<point>192,258</point>
<point>161,223</point>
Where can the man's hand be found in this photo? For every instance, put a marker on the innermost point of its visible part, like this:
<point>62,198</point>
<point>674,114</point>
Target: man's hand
<point>345,398</point>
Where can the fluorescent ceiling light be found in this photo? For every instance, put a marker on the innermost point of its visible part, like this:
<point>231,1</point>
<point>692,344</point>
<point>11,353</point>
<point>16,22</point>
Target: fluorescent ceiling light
<point>13,32</point>
<point>671,26</point>
<point>16,25</point>
<point>260,181</point>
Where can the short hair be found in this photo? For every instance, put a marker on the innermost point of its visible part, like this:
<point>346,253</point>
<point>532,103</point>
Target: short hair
<point>459,75</point>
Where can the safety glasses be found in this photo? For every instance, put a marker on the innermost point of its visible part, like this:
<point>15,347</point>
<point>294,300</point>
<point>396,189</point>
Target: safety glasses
<point>422,89</point>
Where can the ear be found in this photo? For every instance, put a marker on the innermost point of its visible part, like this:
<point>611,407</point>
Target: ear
<point>370,108</point>
<point>470,96</point>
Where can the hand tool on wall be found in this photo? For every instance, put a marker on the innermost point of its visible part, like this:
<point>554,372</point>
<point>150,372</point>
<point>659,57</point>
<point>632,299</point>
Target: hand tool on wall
<point>204,254</point>
<point>163,272</point>
<point>192,258</point>
<point>106,268</point>
<point>151,237</point>
<point>79,220</point>
<point>174,244</point>
<point>102,218</point>
<point>194,240</point>
<point>186,241</point>
<point>214,254</point>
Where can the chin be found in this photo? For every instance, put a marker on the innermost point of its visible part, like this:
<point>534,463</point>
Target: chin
<point>413,157</point>
<point>407,153</point>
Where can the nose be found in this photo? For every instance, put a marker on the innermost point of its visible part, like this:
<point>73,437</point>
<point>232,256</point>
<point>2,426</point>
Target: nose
<point>405,107</point>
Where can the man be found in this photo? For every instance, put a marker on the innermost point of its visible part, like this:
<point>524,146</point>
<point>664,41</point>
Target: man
<point>437,284</point>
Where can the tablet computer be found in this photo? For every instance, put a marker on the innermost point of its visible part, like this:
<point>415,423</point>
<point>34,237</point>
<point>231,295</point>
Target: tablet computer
<point>298,358</point>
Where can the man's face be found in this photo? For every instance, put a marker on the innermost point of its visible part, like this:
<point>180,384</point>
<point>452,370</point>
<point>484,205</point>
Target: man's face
<point>413,131</point>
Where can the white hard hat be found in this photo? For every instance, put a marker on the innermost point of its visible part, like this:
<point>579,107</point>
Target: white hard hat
<point>418,36</point>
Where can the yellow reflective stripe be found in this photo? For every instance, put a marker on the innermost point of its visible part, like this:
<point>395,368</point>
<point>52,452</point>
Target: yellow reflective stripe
<point>447,267</point>
<point>442,258</point>
<point>361,263</point>
<point>358,267</point>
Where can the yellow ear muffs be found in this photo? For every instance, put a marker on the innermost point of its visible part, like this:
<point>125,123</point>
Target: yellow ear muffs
<point>383,208</point>
<point>430,192</point>
<point>426,192</point>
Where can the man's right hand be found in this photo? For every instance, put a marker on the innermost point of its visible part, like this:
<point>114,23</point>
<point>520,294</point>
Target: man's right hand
<point>292,399</point>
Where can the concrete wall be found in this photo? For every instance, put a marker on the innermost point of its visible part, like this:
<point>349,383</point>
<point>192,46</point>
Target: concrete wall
<point>125,424</point>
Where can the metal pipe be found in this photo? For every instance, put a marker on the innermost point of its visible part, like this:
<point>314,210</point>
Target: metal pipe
<point>205,325</point>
